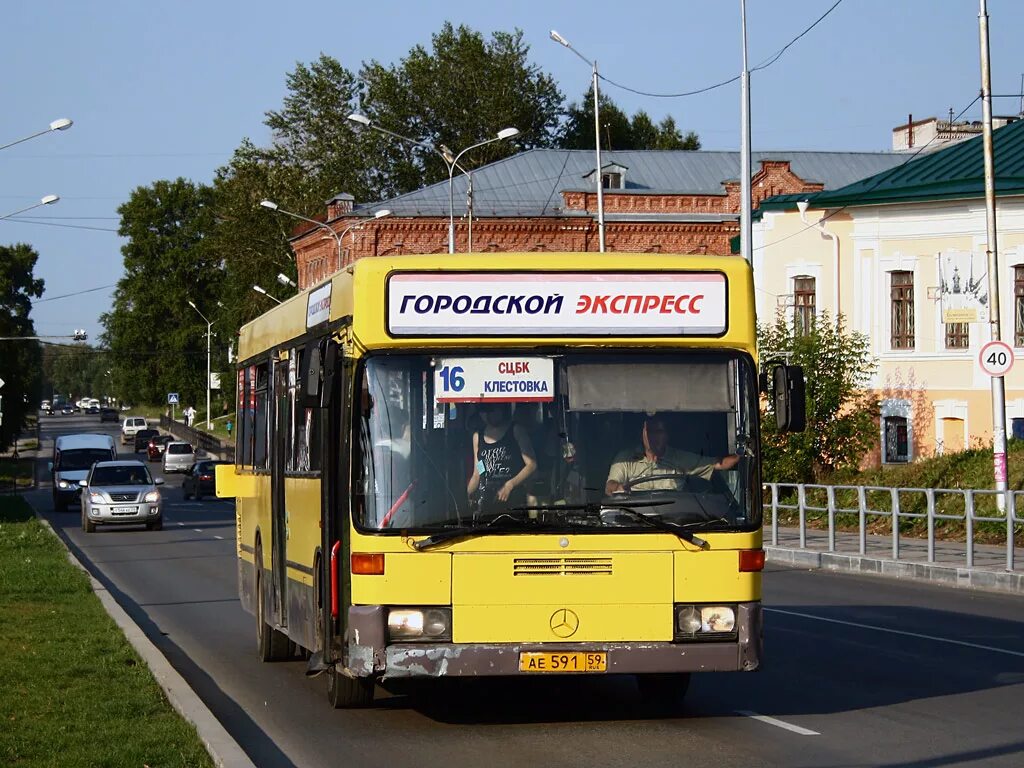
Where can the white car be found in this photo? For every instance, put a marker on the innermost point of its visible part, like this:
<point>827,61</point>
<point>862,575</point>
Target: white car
<point>178,457</point>
<point>130,426</point>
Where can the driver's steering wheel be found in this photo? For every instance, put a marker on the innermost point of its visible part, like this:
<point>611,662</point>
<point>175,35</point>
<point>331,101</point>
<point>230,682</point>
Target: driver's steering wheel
<point>692,483</point>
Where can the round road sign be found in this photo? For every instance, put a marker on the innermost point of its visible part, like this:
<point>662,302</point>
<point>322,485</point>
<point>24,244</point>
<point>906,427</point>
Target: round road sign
<point>996,358</point>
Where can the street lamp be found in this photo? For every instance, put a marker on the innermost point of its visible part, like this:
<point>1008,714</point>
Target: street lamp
<point>48,200</point>
<point>450,160</point>
<point>271,205</point>
<point>359,225</point>
<point>61,124</point>
<point>209,325</point>
<point>263,291</point>
<point>283,279</point>
<point>597,137</point>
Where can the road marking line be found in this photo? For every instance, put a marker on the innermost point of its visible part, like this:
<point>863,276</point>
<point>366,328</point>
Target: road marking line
<point>181,524</point>
<point>198,530</point>
<point>778,723</point>
<point>219,537</point>
<point>963,643</point>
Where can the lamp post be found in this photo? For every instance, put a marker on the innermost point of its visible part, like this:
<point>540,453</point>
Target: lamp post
<point>597,136</point>
<point>61,124</point>
<point>283,279</point>
<point>209,325</point>
<point>450,160</point>
<point>271,205</point>
<point>258,289</point>
<point>359,225</point>
<point>48,200</point>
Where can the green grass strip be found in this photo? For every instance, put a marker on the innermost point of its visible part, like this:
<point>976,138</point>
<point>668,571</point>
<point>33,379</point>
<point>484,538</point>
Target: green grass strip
<point>73,692</point>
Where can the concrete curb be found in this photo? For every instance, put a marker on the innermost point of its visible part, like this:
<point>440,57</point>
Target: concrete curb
<point>971,578</point>
<point>224,750</point>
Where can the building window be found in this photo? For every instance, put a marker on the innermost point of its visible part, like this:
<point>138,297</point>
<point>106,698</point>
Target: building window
<point>1017,429</point>
<point>902,296</point>
<point>897,443</point>
<point>958,335</point>
<point>611,180</point>
<point>1018,305</point>
<point>803,305</point>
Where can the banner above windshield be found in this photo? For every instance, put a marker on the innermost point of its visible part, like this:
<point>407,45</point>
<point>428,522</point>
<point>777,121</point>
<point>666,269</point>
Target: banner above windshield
<point>550,304</point>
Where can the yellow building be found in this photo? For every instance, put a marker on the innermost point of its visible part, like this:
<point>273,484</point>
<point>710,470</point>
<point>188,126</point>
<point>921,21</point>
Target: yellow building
<point>900,253</point>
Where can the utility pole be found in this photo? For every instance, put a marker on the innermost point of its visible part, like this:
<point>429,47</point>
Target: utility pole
<point>746,230</point>
<point>998,387</point>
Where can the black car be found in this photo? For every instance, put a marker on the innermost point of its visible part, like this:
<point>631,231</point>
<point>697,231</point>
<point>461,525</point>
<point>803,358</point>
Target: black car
<point>109,414</point>
<point>68,409</point>
<point>201,479</point>
<point>142,438</point>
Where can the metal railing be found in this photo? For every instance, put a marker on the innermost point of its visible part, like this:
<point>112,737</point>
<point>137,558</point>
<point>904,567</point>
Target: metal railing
<point>826,503</point>
<point>200,439</point>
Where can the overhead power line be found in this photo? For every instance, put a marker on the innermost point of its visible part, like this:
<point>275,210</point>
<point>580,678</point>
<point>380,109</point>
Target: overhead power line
<point>76,293</point>
<point>763,65</point>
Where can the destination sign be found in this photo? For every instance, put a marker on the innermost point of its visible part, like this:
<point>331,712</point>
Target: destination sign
<point>511,379</point>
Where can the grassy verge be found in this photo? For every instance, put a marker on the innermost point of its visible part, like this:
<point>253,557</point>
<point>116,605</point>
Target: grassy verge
<point>15,473</point>
<point>73,692</point>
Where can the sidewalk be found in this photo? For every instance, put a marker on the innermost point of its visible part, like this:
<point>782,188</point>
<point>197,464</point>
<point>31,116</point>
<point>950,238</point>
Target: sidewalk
<point>949,565</point>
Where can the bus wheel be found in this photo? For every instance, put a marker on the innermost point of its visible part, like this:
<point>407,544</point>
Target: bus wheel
<point>664,692</point>
<point>345,692</point>
<point>271,644</point>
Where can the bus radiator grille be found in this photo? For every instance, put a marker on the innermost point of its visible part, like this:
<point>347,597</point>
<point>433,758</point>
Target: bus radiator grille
<point>562,566</point>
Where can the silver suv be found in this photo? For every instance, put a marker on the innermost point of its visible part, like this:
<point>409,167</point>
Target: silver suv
<point>121,492</point>
<point>178,457</point>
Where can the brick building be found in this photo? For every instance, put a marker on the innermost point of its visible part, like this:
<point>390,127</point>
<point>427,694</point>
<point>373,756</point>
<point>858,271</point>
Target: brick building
<point>544,200</point>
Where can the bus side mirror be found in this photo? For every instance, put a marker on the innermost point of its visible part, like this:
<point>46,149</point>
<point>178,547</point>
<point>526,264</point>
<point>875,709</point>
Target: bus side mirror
<point>311,375</point>
<point>789,397</point>
<point>330,371</point>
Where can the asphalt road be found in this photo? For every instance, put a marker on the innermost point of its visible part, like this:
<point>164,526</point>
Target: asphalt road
<point>859,672</point>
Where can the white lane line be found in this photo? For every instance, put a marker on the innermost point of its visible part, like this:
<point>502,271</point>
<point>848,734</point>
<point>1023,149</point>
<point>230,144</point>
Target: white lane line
<point>198,530</point>
<point>778,723</point>
<point>219,537</point>
<point>181,524</point>
<point>950,641</point>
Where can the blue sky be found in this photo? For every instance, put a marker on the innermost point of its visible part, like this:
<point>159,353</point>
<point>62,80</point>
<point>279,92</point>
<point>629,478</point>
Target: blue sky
<point>162,89</point>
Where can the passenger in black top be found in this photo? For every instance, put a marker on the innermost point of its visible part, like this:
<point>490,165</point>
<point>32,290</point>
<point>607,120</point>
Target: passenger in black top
<point>504,459</point>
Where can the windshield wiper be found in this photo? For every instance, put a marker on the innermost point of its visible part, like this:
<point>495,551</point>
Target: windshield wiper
<point>595,507</point>
<point>462,532</point>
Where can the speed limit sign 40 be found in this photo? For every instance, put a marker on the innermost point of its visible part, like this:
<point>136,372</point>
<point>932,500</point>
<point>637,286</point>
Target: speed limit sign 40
<point>996,358</point>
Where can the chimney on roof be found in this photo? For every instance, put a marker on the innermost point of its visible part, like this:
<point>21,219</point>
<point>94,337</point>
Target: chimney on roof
<point>340,205</point>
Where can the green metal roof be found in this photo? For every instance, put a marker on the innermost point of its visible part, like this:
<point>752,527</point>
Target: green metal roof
<point>955,172</point>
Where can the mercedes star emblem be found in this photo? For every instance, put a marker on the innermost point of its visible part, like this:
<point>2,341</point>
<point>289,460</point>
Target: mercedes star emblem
<point>564,623</point>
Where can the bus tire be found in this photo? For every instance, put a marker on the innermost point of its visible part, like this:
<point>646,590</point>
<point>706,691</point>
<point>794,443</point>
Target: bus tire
<point>663,692</point>
<point>344,692</point>
<point>271,644</point>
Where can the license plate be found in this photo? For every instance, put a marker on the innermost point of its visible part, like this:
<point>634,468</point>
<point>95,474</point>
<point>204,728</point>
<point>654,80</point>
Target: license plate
<point>575,661</point>
<point>125,510</point>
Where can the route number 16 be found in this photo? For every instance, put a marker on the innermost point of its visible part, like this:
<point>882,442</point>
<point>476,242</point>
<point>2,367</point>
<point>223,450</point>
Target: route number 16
<point>452,378</point>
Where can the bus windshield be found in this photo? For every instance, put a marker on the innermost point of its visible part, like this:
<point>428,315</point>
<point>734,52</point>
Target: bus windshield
<point>585,442</point>
<point>78,459</point>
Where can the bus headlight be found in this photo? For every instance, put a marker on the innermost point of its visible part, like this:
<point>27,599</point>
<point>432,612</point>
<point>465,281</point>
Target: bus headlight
<point>705,622</point>
<point>420,623</point>
<point>717,618</point>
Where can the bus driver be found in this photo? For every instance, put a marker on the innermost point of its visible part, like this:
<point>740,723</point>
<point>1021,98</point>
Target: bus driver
<point>657,457</point>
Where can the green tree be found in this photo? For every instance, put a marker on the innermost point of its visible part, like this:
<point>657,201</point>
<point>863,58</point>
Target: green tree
<point>156,340</point>
<point>618,131</point>
<point>20,361</point>
<point>462,91</point>
<point>78,370</point>
<point>842,415</point>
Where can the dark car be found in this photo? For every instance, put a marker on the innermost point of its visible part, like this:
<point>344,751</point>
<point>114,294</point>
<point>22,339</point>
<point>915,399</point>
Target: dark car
<point>142,438</point>
<point>157,445</point>
<point>201,479</point>
<point>68,409</point>
<point>109,414</point>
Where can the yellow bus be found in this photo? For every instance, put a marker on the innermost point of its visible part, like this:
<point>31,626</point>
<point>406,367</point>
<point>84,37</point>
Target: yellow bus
<point>514,464</point>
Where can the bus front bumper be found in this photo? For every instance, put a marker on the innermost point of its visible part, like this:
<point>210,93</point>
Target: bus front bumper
<point>401,660</point>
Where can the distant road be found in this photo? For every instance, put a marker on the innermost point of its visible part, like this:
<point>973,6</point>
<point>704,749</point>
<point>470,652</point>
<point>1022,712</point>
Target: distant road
<point>859,672</point>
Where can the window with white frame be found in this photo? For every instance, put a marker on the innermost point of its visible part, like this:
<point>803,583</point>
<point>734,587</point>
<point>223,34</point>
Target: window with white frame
<point>896,446</point>
<point>901,292</point>
<point>803,304</point>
